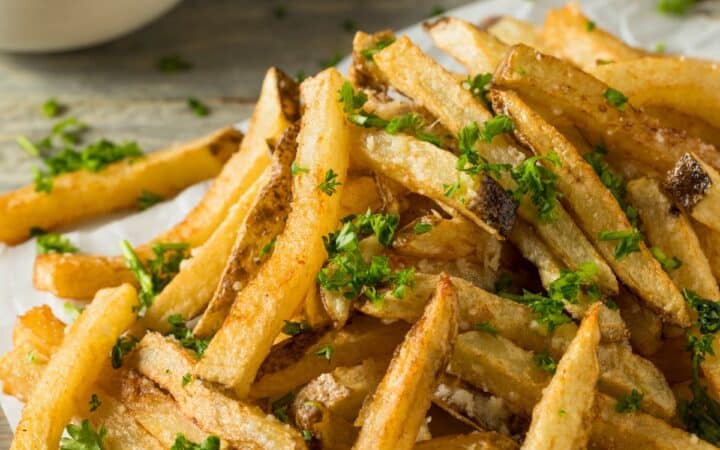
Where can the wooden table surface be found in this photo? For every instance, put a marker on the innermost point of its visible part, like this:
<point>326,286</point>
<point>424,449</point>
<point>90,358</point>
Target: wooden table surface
<point>118,91</point>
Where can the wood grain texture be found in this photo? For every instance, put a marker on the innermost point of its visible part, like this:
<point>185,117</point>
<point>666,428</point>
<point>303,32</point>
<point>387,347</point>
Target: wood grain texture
<point>117,89</point>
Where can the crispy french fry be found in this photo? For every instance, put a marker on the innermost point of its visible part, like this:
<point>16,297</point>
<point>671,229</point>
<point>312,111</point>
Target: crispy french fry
<point>509,372</point>
<point>562,417</point>
<point>398,406</point>
<point>687,85</point>
<point>296,361</point>
<point>645,326</point>
<point>418,76</point>
<point>479,440</point>
<point>710,242</point>
<point>476,49</point>
<point>237,350</point>
<point>82,195</point>
<point>80,276</point>
<point>263,221</point>
<point>364,72</point>
<point>621,370</point>
<point>695,185</point>
<point>359,195</point>
<point>694,126</point>
<point>513,31</point>
<point>168,365</point>
<point>595,208</point>
<point>75,364</point>
<point>572,36</point>
<point>581,98</point>
<point>446,239</point>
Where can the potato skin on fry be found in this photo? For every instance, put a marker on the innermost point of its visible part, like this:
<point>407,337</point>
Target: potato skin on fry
<point>398,406</point>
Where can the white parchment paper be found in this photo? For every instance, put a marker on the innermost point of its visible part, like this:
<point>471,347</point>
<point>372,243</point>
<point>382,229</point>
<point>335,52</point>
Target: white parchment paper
<point>636,22</point>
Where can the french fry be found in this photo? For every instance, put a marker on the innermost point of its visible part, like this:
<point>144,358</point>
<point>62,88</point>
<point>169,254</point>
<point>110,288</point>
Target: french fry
<point>687,85</point>
<point>562,417</point>
<point>363,71</point>
<point>80,276</point>
<point>581,98</point>
<point>513,31</point>
<point>476,49</point>
<point>296,361</point>
<point>237,350</point>
<point>82,195</point>
<point>429,84</point>
<point>645,326</point>
<point>447,238</point>
<point>263,221</point>
<point>572,36</point>
<point>595,209</point>
<point>168,365</point>
<point>695,186</point>
<point>76,364</point>
<point>710,242</point>
<point>507,371</point>
<point>487,440</point>
<point>398,406</point>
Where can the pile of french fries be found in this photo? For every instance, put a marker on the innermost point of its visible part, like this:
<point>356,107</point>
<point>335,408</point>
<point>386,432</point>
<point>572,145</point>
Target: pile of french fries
<point>525,255</point>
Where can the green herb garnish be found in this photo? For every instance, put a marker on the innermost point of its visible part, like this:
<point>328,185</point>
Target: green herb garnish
<point>267,248</point>
<point>173,64</point>
<point>629,403</point>
<point>550,311</point>
<point>422,227</point>
<point>184,335</point>
<point>199,108</point>
<point>280,407</point>
<point>294,328</point>
<point>477,86</point>
<point>590,25</point>
<point>539,182</point>
<point>295,169</point>
<point>54,243</point>
<point>325,352</point>
<point>332,61</point>
<point>486,327</point>
<point>330,183</point>
<point>72,310</point>
<point>667,262</point>
<point>182,443</point>
<point>568,285</point>
<point>186,379</point>
<point>349,25</point>
<point>94,402</point>
<point>628,241</point>
<point>616,98</point>
<point>675,7</point>
<point>83,437</point>
<point>708,311</point>
<point>545,362</point>
<point>148,199</point>
<point>123,346</point>
<point>436,11</point>
<point>368,53</point>
<point>51,108</point>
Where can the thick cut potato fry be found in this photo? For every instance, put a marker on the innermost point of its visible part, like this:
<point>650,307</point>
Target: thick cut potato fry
<point>695,186</point>
<point>237,350</point>
<point>82,195</point>
<point>80,276</point>
<point>595,208</point>
<point>264,220</point>
<point>76,365</point>
<point>645,326</point>
<point>500,367</point>
<point>562,417</point>
<point>168,365</point>
<point>363,71</point>
<point>447,239</point>
<point>687,85</point>
<point>580,97</point>
<point>571,35</point>
<point>513,31</point>
<point>694,126</point>
<point>398,406</point>
<point>478,440</point>
<point>476,49</point>
<point>418,76</point>
<point>710,241</point>
<point>295,361</point>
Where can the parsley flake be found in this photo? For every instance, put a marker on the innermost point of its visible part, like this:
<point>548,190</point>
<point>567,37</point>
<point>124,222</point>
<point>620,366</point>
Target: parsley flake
<point>51,108</point>
<point>550,311</point>
<point>184,335</point>
<point>123,346</point>
<point>199,108</point>
<point>451,190</point>
<point>422,227</point>
<point>590,25</point>
<point>83,437</point>
<point>27,145</point>
<point>349,25</point>
<point>436,11</point>
<point>280,12</point>
<point>54,243</point>
<point>616,98</point>
<point>675,7</point>
<point>294,328</point>
<point>539,182</point>
<point>330,183</point>
<point>148,199</point>
<point>280,407</point>
<point>31,356</point>
<point>568,285</point>
<point>182,443</point>
<point>477,86</point>
<point>295,169</point>
<point>94,402</point>
<point>72,310</point>
<point>668,263</point>
<point>545,362</point>
<point>325,352</point>
<point>628,241</point>
<point>629,403</point>
<point>186,379</point>
<point>368,53</point>
<point>332,61</point>
<point>267,248</point>
<point>708,311</point>
<point>173,64</point>
<point>307,434</point>
<point>487,328</point>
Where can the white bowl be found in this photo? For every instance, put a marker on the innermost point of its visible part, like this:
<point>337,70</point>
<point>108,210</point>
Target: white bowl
<point>54,25</point>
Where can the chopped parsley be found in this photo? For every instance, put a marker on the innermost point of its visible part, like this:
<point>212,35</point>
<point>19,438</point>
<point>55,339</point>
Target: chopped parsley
<point>550,311</point>
<point>199,108</point>
<point>453,189</point>
<point>182,443</point>
<point>368,53</point>
<point>539,182</point>
<point>280,12</point>
<point>307,434</point>
<point>294,328</point>
<point>27,145</point>
<point>503,283</point>
<point>590,25</point>
<point>325,352</point>
<point>54,243</point>
<point>628,241</point>
<point>603,62</point>
<point>660,47</point>
<point>295,169</point>
<point>148,199</point>
<point>300,75</point>
<point>545,362</point>
<point>667,262</point>
<point>330,183</point>
<point>675,7</point>
<point>155,273</point>
<point>402,279</point>
<point>186,379</point>
<point>83,437</point>
<point>123,346</point>
<point>94,402</point>
<point>332,61</point>
<point>349,25</point>
<point>422,227</point>
<point>267,248</point>
<point>280,407</point>
<point>612,180</point>
<point>708,311</point>
<point>629,403</point>
<point>51,108</point>
<point>184,335</point>
<point>469,160</point>
<point>569,284</point>
<point>173,64</point>
<point>486,327</point>
<point>616,98</point>
<point>31,356</point>
<point>436,11</point>
<point>477,86</point>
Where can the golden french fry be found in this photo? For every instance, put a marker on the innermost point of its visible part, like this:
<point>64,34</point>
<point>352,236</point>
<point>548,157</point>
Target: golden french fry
<point>476,49</point>
<point>237,350</point>
<point>562,417</point>
<point>645,326</point>
<point>297,361</point>
<point>481,440</point>
<point>80,276</point>
<point>76,365</point>
<point>262,222</point>
<point>572,36</point>
<point>168,365</point>
<point>513,31</point>
<point>695,185</point>
<point>595,209</point>
<point>710,241</point>
<point>82,195</point>
<point>695,126</point>
<point>398,406</point>
<point>418,76</point>
<point>582,98</point>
